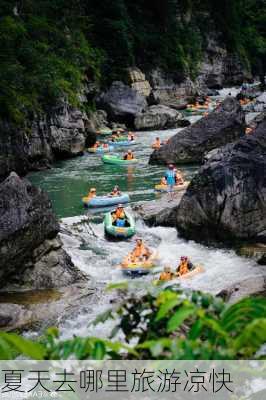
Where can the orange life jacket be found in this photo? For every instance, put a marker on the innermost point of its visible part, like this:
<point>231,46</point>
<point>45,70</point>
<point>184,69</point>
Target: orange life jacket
<point>183,268</point>
<point>130,156</point>
<point>166,276</point>
<point>119,214</point>
<point>139,251</point>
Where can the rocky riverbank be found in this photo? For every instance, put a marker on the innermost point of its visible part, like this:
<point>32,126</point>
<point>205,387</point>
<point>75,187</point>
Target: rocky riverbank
<point>223,125</point>
<point>227,199</point>
<point>32,258</point>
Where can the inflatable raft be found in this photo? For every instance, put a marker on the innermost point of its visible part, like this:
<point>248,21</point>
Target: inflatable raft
<point>100,149</point>
<point>104,132</point>
<point>196,270</point>
<point>116,160</point>
<point>164,188</point>
<point>140,267</point>
<point>122,232</point>
<point>106,201</point>
<point>122,143</point>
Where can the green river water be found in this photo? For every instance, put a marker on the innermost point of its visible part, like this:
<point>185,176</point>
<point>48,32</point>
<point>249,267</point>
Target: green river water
<point>68,181</point>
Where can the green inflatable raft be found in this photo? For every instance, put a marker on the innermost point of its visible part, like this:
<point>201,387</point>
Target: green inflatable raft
<point>116,160</point>
<point>121,232</point>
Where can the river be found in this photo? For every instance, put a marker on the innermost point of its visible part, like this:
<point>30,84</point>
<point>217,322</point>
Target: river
<point>68,181</point>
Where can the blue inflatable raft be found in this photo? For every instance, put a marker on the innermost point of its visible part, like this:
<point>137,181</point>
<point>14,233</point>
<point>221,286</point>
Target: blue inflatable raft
<point>105,201</point>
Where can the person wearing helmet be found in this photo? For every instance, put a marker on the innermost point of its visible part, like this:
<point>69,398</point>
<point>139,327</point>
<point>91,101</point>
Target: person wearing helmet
<point>129,155</point>
<point>119,216</point>
<point>170,175</point>
<point>91,194</point>
<point>166,274</point>
<point>184,266</point>
<point>115,191</point>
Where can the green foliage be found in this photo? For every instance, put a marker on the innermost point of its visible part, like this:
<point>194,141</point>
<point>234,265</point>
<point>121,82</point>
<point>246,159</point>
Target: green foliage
<point>48,48</point>
<point>44,55</point>
<point>163,325</point>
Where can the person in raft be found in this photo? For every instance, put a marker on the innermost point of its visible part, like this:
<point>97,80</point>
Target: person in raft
<point>178,178</point>
<point>119,216</point>
<point>163,181</point>
<point>96,145</point>
<point>140,252</point>
<point>91,194</point>
<point>116,191</point>
<point>130,137</point>
<point>185,266</point>
<point>170,175</point>
<point>129,155</point>
<point>166,274</point>
<point>157,144</point>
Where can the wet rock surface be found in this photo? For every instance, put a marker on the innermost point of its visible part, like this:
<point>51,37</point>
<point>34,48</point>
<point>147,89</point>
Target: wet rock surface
<point>64,133</point>
<point>122,103</point>
<point>30,310</point>
<point>226,200</point>
<point>247,287</point>
<point>31,253</point>
<point>222,126</point>
<point>160,212</point>
<point>158,117</point>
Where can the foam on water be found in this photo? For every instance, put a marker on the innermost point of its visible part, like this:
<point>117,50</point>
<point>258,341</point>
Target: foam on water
<point>99,258</point>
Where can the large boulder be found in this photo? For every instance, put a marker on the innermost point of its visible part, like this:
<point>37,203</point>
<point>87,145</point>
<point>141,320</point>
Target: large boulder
<point>137,81</point>
<point>31,253</point>
<point>222,126</point>
<point>121,102</point>
<point>226,200</point>
<point>157,117</point>
<point>63,133</point>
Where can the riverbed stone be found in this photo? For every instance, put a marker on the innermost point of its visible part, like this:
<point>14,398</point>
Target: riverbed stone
<point>224,125</point>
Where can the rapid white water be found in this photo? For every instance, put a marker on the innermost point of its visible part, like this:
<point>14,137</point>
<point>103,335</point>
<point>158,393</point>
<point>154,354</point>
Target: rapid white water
<point>98,258</point>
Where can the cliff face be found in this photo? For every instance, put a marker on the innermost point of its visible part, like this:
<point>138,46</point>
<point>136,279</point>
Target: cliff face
<point>226,200</point>
<point>31,253</point>
<point>64,133</point>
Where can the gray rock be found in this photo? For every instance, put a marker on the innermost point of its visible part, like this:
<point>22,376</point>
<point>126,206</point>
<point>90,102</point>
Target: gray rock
<point>31,253</point>
<point>42,309</point>
<point>159,212</point>
<point>157,117</point>
<point>122,102</point>
<point>226,201</point>
<point>247,287</point>
<point>219,127</point>
<point>61,134</point>
<point>262,98</point>
<point>219,67</point>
